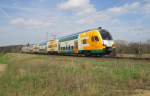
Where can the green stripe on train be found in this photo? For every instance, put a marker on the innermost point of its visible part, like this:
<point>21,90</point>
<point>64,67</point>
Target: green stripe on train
<point>92,51</point>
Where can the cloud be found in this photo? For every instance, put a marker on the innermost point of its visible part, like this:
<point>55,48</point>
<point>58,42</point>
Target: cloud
<point>124,9</point>
<point>2,30</point>
<point>110,13</point>
<point>81,7</point>
<point>29,23</point>
<point>146,8</point>
<point>88,14</point>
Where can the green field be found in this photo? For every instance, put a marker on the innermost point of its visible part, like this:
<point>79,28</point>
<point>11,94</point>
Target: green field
<point>42,75</point>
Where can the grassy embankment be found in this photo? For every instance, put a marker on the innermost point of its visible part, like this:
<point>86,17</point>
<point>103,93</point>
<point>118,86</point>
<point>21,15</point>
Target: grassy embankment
<point>38,75</point>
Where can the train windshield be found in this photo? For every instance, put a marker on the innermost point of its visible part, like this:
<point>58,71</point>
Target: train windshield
<point>105,35</point>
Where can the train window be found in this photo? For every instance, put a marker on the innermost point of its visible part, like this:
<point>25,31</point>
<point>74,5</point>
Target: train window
<point>96,38</point>
<point>84,41</point>
<point>63,48</point>
<point>66,48</point>
<point>105,35</point>
<point>71,47</point>
<point>49,46</point>
<point>59,47</point>
<point>69,38</point>
<point>55,45</point>
<point>92,38</point>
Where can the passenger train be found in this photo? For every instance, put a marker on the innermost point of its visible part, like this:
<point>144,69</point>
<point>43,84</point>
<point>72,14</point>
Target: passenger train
<point>95,41</point>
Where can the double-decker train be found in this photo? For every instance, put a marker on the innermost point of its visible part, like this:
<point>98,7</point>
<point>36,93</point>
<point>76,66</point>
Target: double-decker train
<point>95,41</point>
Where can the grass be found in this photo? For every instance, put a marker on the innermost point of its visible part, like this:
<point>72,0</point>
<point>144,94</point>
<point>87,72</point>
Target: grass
<point>3,58</point>
<point>39,75</point>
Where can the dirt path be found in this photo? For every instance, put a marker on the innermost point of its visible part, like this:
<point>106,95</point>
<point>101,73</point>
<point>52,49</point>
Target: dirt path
<point>146,93</point>
<point>2,68</point>
<point>142,93</point>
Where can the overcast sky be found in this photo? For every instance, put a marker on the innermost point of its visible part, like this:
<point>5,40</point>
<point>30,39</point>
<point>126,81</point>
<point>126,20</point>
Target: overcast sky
<point>23,21</point>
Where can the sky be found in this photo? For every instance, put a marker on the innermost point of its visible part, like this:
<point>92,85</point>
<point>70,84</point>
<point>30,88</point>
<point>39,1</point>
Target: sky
<point>29,21</point>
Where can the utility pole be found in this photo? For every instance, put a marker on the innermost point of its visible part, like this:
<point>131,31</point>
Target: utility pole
<point>47,59</point>
<point>140,45</point>
<point>47,36</point>
<point>140,51</point>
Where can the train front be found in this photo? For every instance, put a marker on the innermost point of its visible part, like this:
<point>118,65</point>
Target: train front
<point>107,41</point>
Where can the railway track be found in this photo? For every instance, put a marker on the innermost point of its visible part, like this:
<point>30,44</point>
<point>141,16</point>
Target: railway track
<point>134,58</point>
<point>105,57</point>
<point>110,57</point>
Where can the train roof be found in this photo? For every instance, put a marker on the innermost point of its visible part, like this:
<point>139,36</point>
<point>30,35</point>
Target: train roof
<point>79,33</point>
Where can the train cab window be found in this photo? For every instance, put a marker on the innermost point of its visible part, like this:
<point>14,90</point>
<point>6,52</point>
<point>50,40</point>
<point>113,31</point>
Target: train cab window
<point>84,41</point>
<point>105,35</point>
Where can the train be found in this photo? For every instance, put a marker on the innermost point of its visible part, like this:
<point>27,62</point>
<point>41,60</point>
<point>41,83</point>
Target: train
<point>96,41</point>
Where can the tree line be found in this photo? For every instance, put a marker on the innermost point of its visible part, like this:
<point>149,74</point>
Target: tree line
<point>124,47</point>
<point>10,49</point>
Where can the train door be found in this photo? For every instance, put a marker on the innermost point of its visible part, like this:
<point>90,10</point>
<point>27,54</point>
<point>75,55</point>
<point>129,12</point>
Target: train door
<point>95,40</point>
<point>59,48</point>
<point>75,49</point>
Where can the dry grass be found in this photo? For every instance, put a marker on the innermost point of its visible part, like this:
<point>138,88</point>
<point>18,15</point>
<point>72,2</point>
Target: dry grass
<point>39,75</point>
